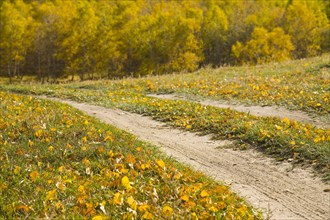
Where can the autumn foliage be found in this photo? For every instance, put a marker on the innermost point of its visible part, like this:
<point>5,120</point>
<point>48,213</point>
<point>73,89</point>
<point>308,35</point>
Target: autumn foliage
<point>51,39</point>
<point>60,163</point>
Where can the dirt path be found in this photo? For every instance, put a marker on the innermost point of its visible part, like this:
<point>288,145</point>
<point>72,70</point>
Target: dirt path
<point>277,189</point>
<point>255,110</point>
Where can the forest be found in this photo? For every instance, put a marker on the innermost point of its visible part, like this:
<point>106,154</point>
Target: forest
<point>52,39</point>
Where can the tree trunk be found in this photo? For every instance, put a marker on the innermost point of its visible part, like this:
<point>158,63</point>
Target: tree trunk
<point>9,73</point>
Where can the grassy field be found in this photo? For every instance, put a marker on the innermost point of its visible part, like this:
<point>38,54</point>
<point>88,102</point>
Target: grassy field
<point>301,85</point>
<point>57,162</point>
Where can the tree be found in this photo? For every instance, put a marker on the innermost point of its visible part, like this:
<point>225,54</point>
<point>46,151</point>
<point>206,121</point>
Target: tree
<point>77,44</point>
<point>51,39</point>
<point>214,32</point>
<point>43,53</point>
<point>305,22</point>
<point>17,29</point>
<point>264,47</point>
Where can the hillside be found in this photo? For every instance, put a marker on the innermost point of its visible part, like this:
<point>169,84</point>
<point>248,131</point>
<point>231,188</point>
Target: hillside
<point>178,100</point>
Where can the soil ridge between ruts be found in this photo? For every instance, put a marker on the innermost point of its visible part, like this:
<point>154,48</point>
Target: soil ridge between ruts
<point>278,189</point>
<point>263,111</point>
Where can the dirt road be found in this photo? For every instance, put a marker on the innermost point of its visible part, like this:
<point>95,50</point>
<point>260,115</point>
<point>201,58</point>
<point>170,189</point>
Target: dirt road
<point>271,111</point>
<point>276,188</point>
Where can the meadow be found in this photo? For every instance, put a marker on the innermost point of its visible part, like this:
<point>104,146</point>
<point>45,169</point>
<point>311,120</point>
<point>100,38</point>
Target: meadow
<point>297,85</point>
<point>57,162</point>
<point>64,163</point>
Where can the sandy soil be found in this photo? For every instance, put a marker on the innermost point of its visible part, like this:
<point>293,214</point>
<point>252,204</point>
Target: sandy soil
<point>273,111</point>
<point>280,191</point>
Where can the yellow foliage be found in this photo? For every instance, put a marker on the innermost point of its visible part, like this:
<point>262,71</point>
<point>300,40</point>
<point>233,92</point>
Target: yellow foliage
<point>117,199</point>
<point>264,47</point>
<point>34,175</point>
<point>100,217</point>
<point>167,211</point>
<point>51,195</point>
<point>125,182</point>
<point>160,163</point>
<point>131,202</point>
<point>204,194</point>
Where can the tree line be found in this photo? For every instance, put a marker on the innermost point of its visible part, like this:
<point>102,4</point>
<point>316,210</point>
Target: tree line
<point>63,38</point>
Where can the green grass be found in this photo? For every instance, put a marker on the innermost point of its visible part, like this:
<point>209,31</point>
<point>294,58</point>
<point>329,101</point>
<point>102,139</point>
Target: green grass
<point>302,84</point>
<point>57,162</point>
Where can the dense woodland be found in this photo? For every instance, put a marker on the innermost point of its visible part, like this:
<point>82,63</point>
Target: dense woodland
<point>50,39</point>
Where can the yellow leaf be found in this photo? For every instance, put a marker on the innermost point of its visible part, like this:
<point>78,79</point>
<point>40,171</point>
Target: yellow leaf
<point>167,210</point>
<point>286,121</point>
<point>278,127</point>
<point>184,198</point>
<point>109,138</point>
<point>144,207</point>
<point>81,189</point>
<point>147,215</point>
<point>145,166</point>
<point>177,176</point>
<point>89,207</point>
<point>125,182</point>
<point>17,170</point>
<point>61,169</point>
<point>99,217</point>
<point>213,209</point>
<point>59,207</point>
<point>204,194</point>
<point>242,210</point>
<point>110,153</point>
<point>39,133</point>
<point>117,199</point>
<point>131,202</point>
<point>101,149</point>
<point>160,163</point>
<point>317,139</point>
<point>23,208</point>
<point>51,195</point>
<point>34,175</point>
<point>130,159</point>
<point>222,205</point>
